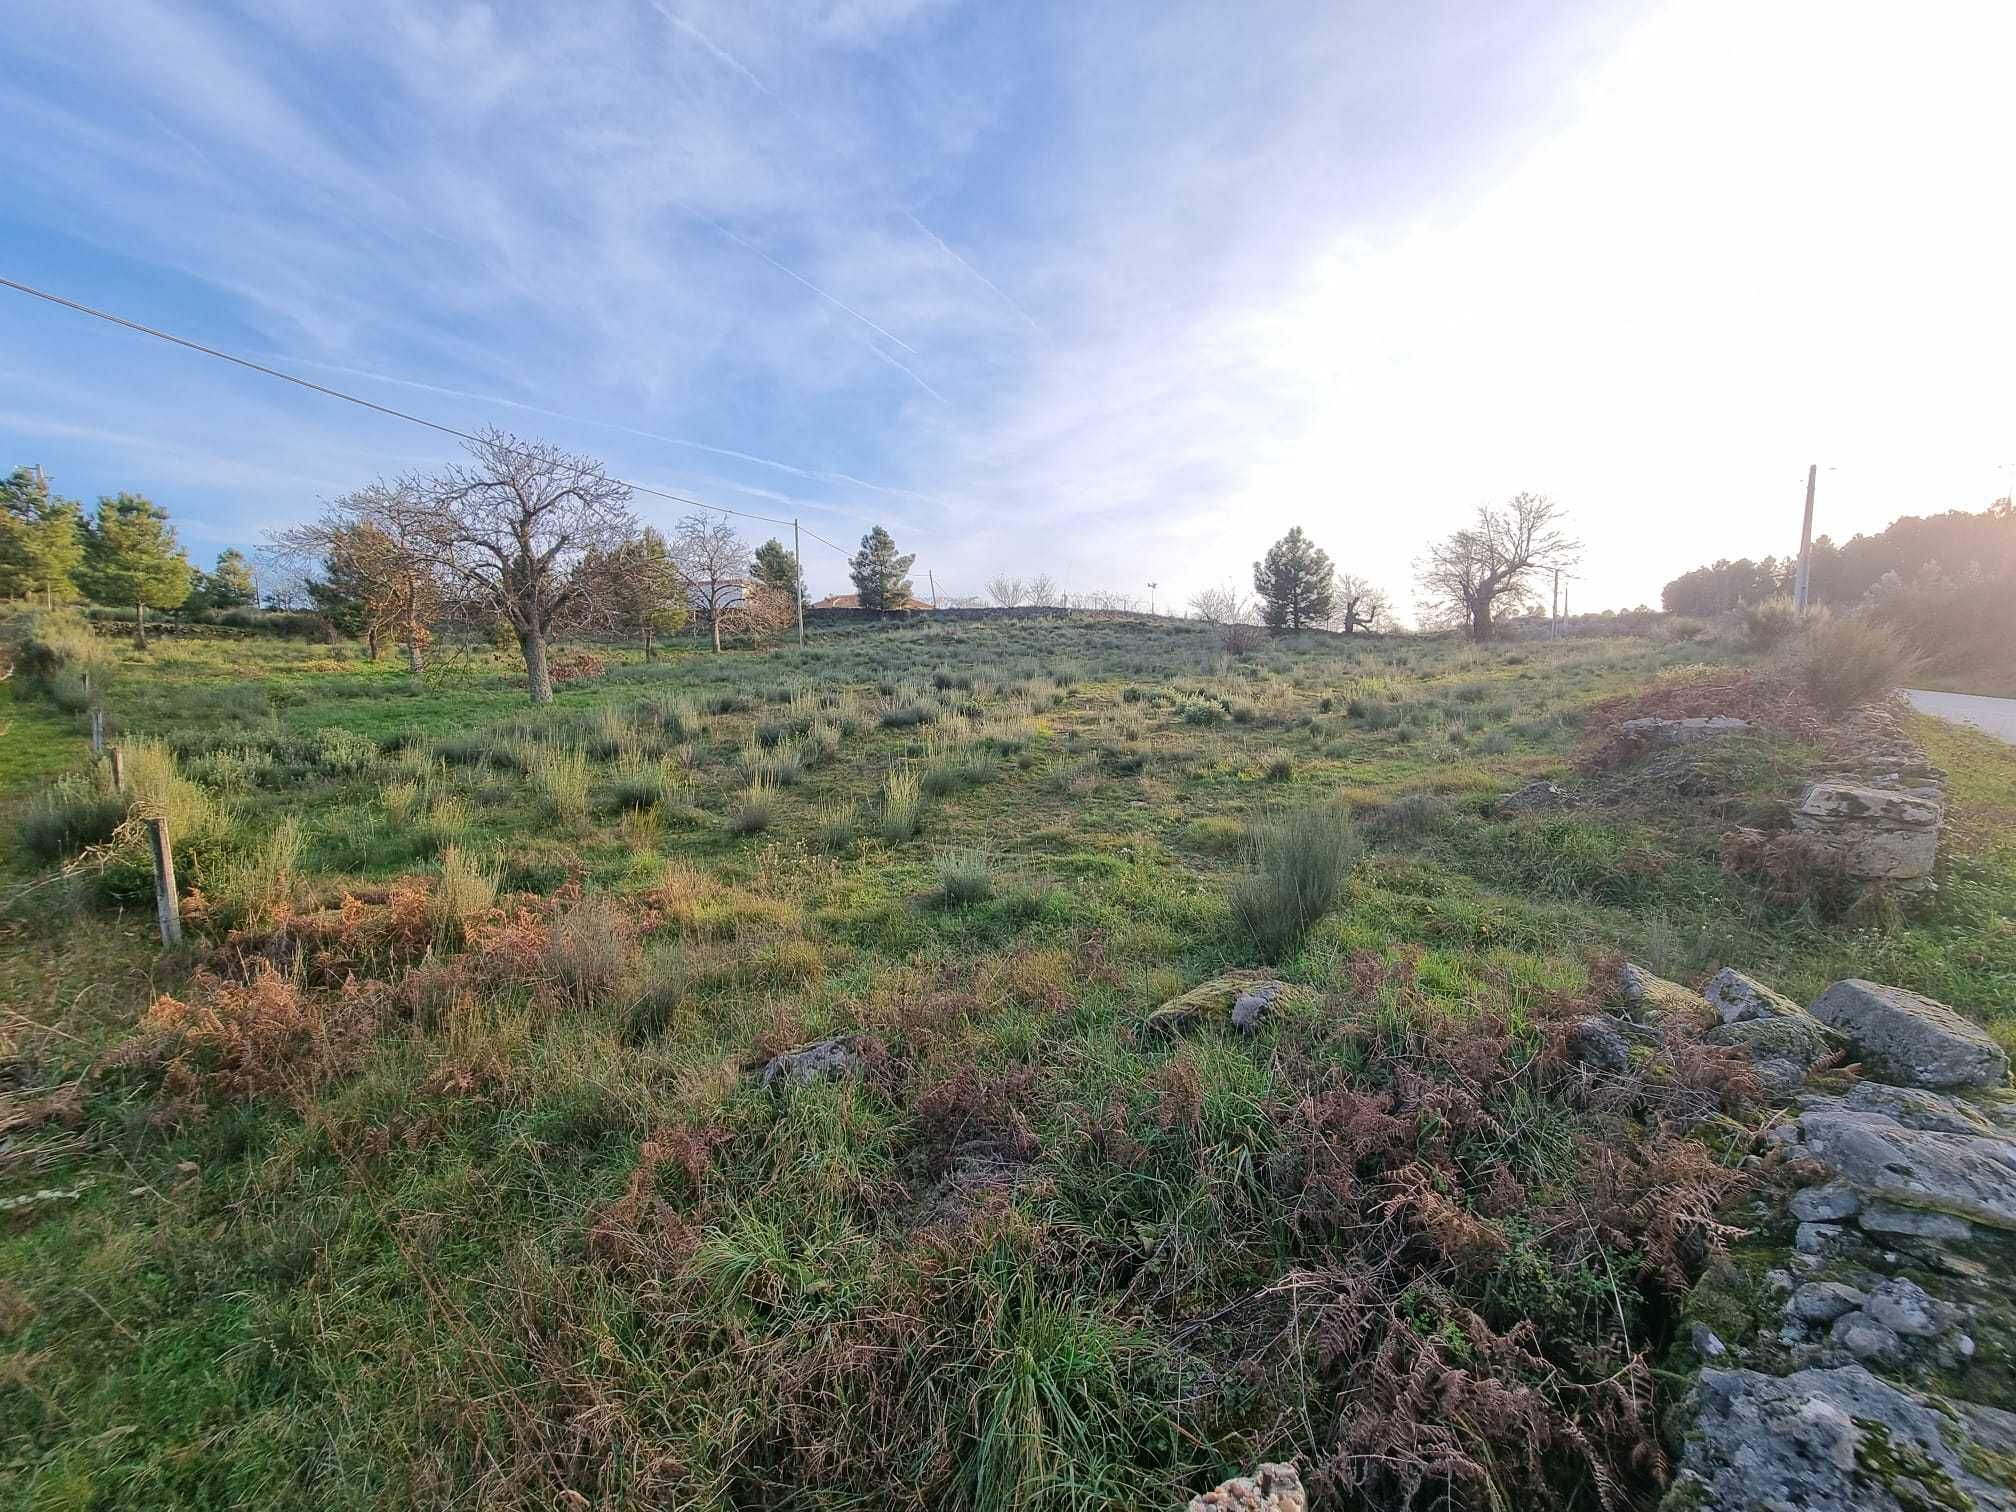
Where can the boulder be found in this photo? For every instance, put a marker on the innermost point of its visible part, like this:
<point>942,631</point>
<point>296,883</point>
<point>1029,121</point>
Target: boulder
<point>1797,1037</point>
<point>1904,1307</point>
<point>1876,832</point>
<point>1917,1108</point>
<point>1915,1223</point>
<point>1239,998</point>
<point>1252,1004</point>
<point>1827,1203</point>
<point>1596,1041</point>
<point>829,1057</point>
<point>1967,1176</point>
<point>1824,1301</point>
<point>1865,1338</point>
<point>1653,1000</point>
<point>1271,1488</point>
<point>1829,1441</point>
<point>1909,1039</point>
<point>1739,998</point>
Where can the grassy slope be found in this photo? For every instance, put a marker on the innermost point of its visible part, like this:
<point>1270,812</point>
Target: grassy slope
<point>380,1290</point>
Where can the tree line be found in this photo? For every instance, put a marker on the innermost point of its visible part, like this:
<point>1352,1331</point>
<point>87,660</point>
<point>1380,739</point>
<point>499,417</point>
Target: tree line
<point>123,552</point>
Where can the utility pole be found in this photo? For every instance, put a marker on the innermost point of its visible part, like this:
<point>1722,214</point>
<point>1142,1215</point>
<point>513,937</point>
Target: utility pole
<point>798,571</point>
<point>1151,598</point>
<point>933,577</point>
<point>1554,615</point>
<point>1799,594</point>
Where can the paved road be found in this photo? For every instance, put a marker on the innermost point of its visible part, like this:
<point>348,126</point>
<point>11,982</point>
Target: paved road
<point>1995,715</point>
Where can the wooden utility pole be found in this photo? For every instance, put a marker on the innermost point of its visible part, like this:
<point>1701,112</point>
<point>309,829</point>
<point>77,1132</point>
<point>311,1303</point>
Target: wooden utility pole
<point>166,903</point>
<point>1800,593</point>
<point>798,567</point>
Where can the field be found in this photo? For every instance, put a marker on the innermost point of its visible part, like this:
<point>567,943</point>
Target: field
<point>438,1170</point>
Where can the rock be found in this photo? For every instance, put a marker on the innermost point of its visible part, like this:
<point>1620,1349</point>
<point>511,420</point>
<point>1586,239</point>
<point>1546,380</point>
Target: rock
<point>1903,1307</point>
<point>829,1057</point>
<point>1596,1041</point>
<point>1683,731</point>
<point>1707,1343</point>
<point>1824,1301</point>
<point>1253,1003</point>
<point>1876,832</point>
<point>1865,1338</point>
<point>1797,1037</point>
<point>1917,1108</point>
<point>1218,998</point>
<point>1778,1076</point>
<point>1739,998</point>
<point>1889,1218</point>
<point>1541,797</point>
<point>1825,1203</point>
<point>1650,999</point>
<point>1817,1238</point>
<point>1271,1488</point>
<point>1964,1175</point>
<point>1909,1039</point>
<point>1828,1441</point>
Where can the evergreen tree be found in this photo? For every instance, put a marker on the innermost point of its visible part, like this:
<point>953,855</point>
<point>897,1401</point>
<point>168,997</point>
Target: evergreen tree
<point>131,556</point>
<point>777,569</point>
<point>41,539</point>
<point>641,587</point>
<point>878,572</point>
<point>231,586</point>
<point>1295,583</point>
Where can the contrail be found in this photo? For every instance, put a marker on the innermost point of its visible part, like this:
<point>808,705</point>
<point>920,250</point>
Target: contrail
<point>999,292</point>
<point>720,53</point>
<point>750,246</point>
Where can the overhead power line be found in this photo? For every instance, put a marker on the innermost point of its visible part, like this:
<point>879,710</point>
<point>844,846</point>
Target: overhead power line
<point>347,398</point>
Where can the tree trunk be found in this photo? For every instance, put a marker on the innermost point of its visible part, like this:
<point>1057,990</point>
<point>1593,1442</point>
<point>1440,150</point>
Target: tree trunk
<point>1480,621</point>
<point>714,614</point>
<point>413,659</point>
<point>538,681</point>
<point>370,643</point>
<point>140,624</point>
<point>649,653</point>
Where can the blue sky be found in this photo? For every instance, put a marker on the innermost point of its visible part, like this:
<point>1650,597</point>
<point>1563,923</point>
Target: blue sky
<point>1116,292</point>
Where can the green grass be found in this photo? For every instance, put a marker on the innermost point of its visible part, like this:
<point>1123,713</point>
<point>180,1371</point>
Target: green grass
<point>535,1234</point>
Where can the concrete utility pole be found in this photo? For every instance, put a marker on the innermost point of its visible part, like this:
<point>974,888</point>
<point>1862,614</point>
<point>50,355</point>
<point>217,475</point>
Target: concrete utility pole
<point>1151,597</point>
<point>798,568</point>
<point>1799,594</point>
<point>933,578</point>
<point>1554,614</point>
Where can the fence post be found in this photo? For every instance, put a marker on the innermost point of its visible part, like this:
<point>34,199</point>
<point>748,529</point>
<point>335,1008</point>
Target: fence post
<point>97,732</point>
<point>165,901</point>
<point>118,770</point>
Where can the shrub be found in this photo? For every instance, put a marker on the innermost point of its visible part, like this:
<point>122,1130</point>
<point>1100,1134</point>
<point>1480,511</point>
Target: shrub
<point>1202,711</point>
<point>344,752</point>
<point>751,814</point>
<point>1300,861</point>
<point>965,875</point>
<point>1851,661</point>
<point>837,829</point>
<point>70,817</point>
<point>1280,767</point>
<point>464,889</point>
<point>1769,624</point>
<point>560,776</point>
<point>590,954</point>
<point>260,882</point>
<point>638,784</point>
<point>902,805</point>
<point>904,716</point>
<point>44,642</point>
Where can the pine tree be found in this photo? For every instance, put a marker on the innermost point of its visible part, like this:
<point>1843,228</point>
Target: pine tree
<point>1294,583</point>
<point>878,572</point>
<point>131,556</point>
<point>41,539</point>
<point>777,569</point>
<point>231,586</point>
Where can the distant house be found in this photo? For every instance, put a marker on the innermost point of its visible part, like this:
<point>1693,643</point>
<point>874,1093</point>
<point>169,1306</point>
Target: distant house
<point>853,601</point>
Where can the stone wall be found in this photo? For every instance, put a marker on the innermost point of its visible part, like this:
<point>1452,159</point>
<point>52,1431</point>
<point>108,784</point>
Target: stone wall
<point>1877,814</point>
<point>1858,1350</point>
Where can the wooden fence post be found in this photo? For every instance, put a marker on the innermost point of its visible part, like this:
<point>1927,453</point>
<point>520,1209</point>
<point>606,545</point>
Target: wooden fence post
<point>118,770</point>
<point>165,901</point>
<point>97,732</point>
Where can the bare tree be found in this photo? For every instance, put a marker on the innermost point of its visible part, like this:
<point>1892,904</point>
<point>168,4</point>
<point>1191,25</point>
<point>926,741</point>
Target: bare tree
<point>380,565</point>
<point>511,526</point>
<point>1469,573</point>
<point>1043,591</point>
<point>713,559</point>
<point>1221,606</point>
<point>1007,592</point>
<point>1109,599</point>
<point>1356,604</point>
